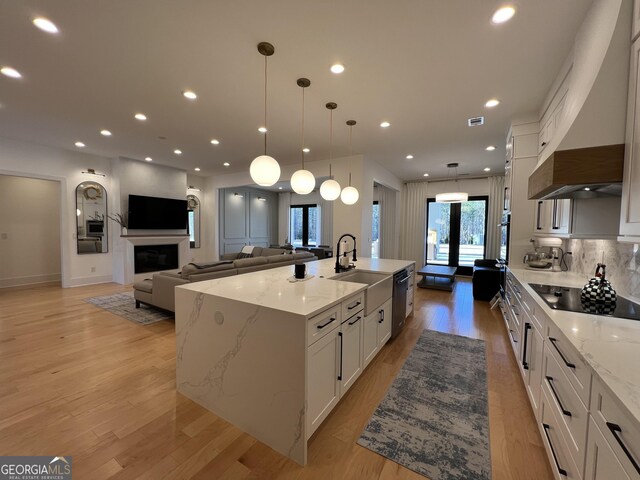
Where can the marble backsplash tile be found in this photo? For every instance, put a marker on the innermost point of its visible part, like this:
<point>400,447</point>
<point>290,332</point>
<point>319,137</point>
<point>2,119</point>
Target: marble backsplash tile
<point>622,261</point>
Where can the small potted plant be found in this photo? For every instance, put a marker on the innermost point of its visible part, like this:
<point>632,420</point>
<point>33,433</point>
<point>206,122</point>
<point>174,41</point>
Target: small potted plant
<point>120,219</point>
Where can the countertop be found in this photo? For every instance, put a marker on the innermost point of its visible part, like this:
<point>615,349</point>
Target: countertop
<point>610,346</point>
<point>271,288</point>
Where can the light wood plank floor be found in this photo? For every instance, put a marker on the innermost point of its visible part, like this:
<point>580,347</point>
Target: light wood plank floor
<point>77,380</point>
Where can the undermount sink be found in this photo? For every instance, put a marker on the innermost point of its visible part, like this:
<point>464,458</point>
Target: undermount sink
<point>379,290</point>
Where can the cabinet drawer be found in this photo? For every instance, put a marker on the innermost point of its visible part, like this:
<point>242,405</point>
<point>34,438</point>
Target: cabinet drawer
<point>602,463</point>
<point>323,323</point>
<point>569,410</point>
<point>352,305</point>
<point>570,362</point>
<point>561,462</point>
<point>618,427</point>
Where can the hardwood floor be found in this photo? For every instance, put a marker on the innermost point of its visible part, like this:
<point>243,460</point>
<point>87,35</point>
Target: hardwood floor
<point>77,380</point>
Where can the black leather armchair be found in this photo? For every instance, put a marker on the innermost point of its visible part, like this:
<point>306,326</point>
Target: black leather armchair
<point>486,279</point>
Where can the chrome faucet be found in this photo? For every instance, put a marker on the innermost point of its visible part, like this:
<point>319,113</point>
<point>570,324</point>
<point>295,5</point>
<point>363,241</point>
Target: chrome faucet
<point>338,253</point>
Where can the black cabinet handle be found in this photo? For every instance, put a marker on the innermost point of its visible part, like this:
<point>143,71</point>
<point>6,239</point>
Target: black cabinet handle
<point>615,430</point>
<point>512,337</point>
<point>505,197</point>
<point>340,374</point>
<point>355,321</point>
<point>561,471</point>
<point>354,306</point>
<point>554,221</point>
<point>538,227</point>
<point>525,364</point>
<point>555,394</point>
<point>331,320</point>
<point>381,312</point>
<point>543,144</point>
<point>568,364</point>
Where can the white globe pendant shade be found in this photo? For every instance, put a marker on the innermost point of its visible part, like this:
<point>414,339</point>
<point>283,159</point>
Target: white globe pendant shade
<point>452,197</point>
<point>330,189</point>
<point>349,195</point>
<point>265,170</point>
<point>303,182</point>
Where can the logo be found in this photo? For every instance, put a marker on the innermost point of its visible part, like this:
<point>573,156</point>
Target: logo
<point>35,468</point>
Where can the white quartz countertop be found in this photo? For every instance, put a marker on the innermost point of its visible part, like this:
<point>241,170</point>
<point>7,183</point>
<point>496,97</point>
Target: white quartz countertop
<point>610,346</point>
<point>271,288</point>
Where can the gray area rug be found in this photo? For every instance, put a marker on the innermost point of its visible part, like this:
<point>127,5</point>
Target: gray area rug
<point>434,419</point>
<point>124,305</point>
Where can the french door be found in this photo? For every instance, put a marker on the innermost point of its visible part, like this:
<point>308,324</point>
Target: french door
<point>456,233</point>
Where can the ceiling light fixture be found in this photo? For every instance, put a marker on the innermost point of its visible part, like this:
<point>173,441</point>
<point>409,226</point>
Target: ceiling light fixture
<point>385,124</point>
<point>279,188</point>
<point>425,174</point>
<point>191,187</point>
<point>265,170</point>
<point>239,195</point>
<point>490,148</point>
<point>148,159</point>
<point>337,68</point>
<point>140,116</point>
<point>45,25</point>
<point>494,102</point>
<point>197,169</point>
<point>330,189</point>
<point>105,133</point>
<point>452,197</point>
<point>262,129</point>
<point>80,145</point>
<point>350,194</point>
<point>306,150</point>
<point>503,14</point>
<point>10,72</point>
<point>177,151</point>
<point>226,164</point>
<point>91,171</point>
<point>262,199</point>
<point>215,142</point>
<point>303,181</point>
<point>487,169</point>
<point>191,95</point>
<point>409,157</point>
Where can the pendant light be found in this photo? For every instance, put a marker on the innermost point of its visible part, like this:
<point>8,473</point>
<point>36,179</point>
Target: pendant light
<point>330,189</point>
<point>350,194</point>
<point>452,197</point>
<point>265,170</point>
<point>303,181</point>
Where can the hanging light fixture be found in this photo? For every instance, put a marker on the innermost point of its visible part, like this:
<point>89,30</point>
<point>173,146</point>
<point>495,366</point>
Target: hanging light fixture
<point>452,197</point>
<point>330,189</point>
<point>350,194</point>
<point>303,181</point>
<point>265,170</point>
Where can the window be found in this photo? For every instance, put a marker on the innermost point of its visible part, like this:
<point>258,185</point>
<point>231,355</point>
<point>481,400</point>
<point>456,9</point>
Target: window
<point>303,227</point>
<point>375,231</point>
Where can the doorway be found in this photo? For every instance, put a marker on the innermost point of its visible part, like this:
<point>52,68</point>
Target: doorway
<point>456,233</point>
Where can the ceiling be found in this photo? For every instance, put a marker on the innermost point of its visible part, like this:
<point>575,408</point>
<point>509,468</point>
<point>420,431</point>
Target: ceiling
<point>423,65</point>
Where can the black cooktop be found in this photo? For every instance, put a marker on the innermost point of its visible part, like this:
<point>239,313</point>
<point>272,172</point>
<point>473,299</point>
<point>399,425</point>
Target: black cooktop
<point>568,298</point>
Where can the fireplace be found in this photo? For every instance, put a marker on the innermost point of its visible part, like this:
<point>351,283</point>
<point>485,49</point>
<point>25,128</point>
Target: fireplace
<point>154,258</point>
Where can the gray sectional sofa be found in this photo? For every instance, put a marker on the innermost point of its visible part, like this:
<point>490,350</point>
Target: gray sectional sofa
<point>159,291</point>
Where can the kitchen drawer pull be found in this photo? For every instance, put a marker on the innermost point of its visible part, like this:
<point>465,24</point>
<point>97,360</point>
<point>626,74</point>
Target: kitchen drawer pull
<point>615,430</point>
<point>567,363</point>
<point>340,374</point>
<point>512,337</point>
<point>354,306</point>
<point>555,394</point>
<point>355,321</point>
<point>515,310</point>
<point>561,471</point>
<point>525,364</point>
<point>331,320</point>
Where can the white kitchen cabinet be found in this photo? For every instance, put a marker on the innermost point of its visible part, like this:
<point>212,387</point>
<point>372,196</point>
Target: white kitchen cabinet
<point>376,331</point>
<point>602,463</point>
<point>384,323</point>
<point>532,356</point>
<point>508,175</point>
<point>553,217</point>
<point>351,351</point>
<point>323,367</point>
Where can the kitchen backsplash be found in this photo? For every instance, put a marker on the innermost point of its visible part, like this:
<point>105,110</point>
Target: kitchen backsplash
<point>622,261</point>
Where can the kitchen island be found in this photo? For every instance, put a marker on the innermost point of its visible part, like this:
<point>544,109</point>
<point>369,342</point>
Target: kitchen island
<point>274,357</point>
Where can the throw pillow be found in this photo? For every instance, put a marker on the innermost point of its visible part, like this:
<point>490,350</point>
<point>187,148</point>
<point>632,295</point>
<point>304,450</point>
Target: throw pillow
<point>244,255</point>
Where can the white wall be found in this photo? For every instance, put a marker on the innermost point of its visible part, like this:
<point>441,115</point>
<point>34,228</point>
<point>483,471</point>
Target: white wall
<point>29,231</point>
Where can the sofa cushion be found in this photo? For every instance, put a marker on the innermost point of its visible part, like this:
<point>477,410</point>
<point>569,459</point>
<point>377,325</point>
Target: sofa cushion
<point>268,252</point>
<point>247,249</point>
<point>145,285</point>
<point>249,262</point>
<point>244,255</point>
<point>192,268</point>
<point>280,258</point>
<point>302,255</point>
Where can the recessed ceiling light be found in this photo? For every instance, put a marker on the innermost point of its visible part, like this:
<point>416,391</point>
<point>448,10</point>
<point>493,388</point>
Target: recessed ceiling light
<point>177,151</point>
<point>226,164</point>
<point>503,14</point>
<point>106,133</point>
<point>10,72</point>
<point>425,174</point>
<point>45,25</point>
<point>337,68</point>
<point>385,124</point>
<point>487,169</point>
<point>494,102</point>
<point>140,116</point>
<point>306,150</point>
<point>490,148</point>
<point>279,188</point>
<point>80,145</point>
<point>409,157</point>
<point>197,169</point>
<point>148,159</point>
<point>262,129</point>
<point>215,142</point>
<point>587,189</point>
<point>191,95</point>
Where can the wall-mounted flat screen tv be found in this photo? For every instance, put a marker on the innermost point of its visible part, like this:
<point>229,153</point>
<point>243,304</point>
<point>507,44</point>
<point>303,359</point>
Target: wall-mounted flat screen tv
<point>154,213</point>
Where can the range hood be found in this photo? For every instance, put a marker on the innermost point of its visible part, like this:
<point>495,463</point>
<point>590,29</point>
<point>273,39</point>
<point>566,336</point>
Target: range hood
<point>579,173</point>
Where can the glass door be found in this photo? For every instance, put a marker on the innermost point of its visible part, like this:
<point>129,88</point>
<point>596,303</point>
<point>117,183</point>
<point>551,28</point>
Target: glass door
<point>456,233</point>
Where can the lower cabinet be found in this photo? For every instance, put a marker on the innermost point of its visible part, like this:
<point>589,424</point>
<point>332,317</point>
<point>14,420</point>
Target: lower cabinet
<point>602,463</point>
<point>376,331</point>
<point>532,356</point>
<point>350,351</point>
<point>323,364</point>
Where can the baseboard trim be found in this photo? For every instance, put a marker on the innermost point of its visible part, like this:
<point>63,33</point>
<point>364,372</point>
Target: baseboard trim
<point>30,280</point>
<point>83,281</point>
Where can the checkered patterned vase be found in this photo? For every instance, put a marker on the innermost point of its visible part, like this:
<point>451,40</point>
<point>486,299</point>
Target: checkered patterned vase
<point>598,291</point>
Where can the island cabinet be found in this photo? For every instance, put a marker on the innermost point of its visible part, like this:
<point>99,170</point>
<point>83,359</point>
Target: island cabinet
<point>376,332</point>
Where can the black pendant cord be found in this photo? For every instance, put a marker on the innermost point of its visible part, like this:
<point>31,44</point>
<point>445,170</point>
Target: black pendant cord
<point>265,105</point>
<point>330,140</point>
<point>351,123</point>
<point>302,134</point>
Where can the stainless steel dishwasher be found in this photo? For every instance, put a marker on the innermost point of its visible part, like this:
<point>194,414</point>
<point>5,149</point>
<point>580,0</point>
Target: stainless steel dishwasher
<point>400,282</point>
